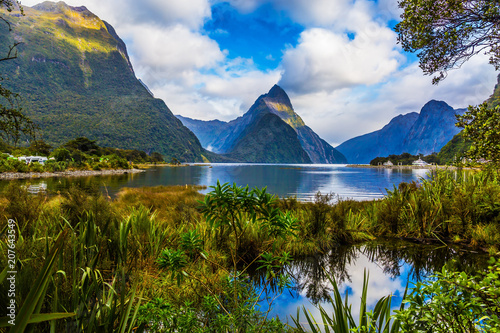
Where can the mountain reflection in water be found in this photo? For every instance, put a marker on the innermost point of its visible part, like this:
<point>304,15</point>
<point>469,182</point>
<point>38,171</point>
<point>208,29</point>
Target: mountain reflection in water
<point>284,180</point>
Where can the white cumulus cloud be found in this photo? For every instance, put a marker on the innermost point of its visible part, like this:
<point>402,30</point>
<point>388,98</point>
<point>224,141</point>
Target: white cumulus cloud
<point>172,51</point>
<point>190,13</point>
<point>345,113</point>
<point>325,60</point>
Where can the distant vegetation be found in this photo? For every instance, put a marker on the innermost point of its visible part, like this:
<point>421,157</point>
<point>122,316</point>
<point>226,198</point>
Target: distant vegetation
<point>78,154</point>
<point>454,150</point>
<point>406,159</point>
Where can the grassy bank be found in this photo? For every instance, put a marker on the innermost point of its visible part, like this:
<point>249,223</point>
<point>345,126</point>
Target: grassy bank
<point>177,256</point>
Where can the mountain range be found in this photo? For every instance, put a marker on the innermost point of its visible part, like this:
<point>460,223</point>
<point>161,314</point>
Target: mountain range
<point>269,132</point>
<point>415,133</point>
<point>75,78</point>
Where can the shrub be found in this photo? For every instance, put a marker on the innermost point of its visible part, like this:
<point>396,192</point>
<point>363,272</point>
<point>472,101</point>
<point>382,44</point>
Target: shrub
<point>54,166</point>
<point>36,167</point>
<point>61,154</point>
<point>318,213</point>
<point>159,315</point>
<point>116,162</point>
<point>454,302</point>
<point>78,201</point>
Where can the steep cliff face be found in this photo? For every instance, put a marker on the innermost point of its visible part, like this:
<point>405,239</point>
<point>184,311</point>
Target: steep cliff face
<point>433,129</point>
<point>204,130</point>
<point>75,78</point>
<point>319,150</point>
<point>415,133</point>
<point>226,137</point>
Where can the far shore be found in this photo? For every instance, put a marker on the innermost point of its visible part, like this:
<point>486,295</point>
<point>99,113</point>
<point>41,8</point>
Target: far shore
<point>73,173</point>
<point>431,166</point>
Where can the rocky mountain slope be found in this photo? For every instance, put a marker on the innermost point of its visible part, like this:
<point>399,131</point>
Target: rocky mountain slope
<point>386,141</point>
<point>75,78</point>
<point>268,139</point>
<point>233,137</point>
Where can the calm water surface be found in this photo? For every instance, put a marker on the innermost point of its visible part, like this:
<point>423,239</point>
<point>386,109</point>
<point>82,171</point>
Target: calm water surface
<point>284,180</point>
<point>390,265</point>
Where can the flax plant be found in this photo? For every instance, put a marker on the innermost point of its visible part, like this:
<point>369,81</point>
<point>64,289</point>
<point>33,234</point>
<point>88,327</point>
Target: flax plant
<point>29,312</point>
<point>235,215</point>
<point>341,319</point>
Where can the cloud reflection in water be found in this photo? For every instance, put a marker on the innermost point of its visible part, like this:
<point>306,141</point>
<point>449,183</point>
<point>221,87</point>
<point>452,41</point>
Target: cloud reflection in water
<point>390,265</point>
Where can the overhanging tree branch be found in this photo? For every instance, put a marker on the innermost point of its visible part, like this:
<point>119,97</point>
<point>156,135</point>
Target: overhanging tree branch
<point>447,33</point>
<point>13,123</point>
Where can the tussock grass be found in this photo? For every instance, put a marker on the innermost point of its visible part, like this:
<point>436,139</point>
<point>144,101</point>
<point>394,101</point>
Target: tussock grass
<point>173,203</point>
<point>485,235</point>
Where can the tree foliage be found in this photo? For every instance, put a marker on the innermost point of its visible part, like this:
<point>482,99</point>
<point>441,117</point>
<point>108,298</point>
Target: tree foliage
<point>454,302</point>
<point>83,144</point>
<point>446,33</point>
<point>10,5</point>
<point>481,124</point>
<point>13,123</point>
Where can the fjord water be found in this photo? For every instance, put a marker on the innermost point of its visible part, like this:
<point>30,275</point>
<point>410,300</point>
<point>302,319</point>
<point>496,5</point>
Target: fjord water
<point>288,180</point>
<point>284,180</point>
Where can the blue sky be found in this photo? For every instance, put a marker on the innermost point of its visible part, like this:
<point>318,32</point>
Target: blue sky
<point>261,35</point>
<point>338,60</point>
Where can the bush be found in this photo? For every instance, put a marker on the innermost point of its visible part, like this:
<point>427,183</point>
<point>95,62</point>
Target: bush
<point>118,162</point>
<point>36,167</point>
<point>160,316</point>
<point>54,166</point>
<point>454,302</point>
<point>14,165</point>
<point>61,154</point>
<point>79,201</point>
<point>114,162</point>
<point>318,213</point>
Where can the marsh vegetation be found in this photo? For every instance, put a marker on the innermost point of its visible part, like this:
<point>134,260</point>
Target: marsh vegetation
<point>172,259</point>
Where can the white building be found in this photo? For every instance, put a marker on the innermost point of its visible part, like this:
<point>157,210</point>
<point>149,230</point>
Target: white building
<point>420,162</point>
<point>32,159</point>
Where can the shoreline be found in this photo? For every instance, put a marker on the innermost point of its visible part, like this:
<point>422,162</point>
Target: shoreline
<point>433,167</point>
<point>75,173</point>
